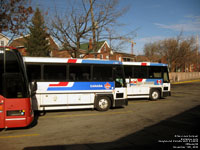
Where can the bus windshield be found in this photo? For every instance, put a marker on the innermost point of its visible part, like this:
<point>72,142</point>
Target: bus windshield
<point>12,83</point>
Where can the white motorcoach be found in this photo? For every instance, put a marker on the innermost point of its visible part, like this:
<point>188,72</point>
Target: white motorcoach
<point>76,83</point>
<point>147,80</point>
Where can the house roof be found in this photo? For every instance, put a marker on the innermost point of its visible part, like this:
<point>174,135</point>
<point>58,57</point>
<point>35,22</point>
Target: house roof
<point>20,41</point>
<point>2,35</point>
<point>125,54</point>
<point>85,46</point>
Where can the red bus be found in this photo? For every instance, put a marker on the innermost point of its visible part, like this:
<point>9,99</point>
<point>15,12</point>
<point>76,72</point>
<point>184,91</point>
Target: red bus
<point>15,102</point>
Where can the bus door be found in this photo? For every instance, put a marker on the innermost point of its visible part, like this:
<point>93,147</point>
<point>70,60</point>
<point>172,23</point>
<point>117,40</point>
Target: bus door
<point>2,115</point>
<point>14,107</point>
<point>120,87</point>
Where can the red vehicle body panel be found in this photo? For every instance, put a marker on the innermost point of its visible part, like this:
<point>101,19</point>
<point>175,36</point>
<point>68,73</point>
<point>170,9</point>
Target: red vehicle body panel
<point>15,120</point>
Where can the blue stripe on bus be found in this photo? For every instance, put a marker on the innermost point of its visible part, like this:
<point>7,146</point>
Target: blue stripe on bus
<point>157,64</point>
<point>155,81</point>
<point>101,61</point>
<point>85,86</point>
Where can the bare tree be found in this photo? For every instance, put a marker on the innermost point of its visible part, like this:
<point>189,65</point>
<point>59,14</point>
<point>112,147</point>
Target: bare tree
<point>13,15</point>
<point>89,18</point>
<point>178,52</point>
<point>187,49</point>
<point>152,51</point>
<point>71,27</point>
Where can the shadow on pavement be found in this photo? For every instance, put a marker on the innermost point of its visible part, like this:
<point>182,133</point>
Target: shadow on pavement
<point>171,133</point>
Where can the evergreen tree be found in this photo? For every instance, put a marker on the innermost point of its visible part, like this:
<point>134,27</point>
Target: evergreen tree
<point>37,43</point>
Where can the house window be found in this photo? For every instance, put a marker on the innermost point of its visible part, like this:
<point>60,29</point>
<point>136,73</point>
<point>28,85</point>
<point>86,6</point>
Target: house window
<point>48,40</point>
<point>104,48</point>
<point>2,43</point>
<point>101,56</point>
<point>107,57</point>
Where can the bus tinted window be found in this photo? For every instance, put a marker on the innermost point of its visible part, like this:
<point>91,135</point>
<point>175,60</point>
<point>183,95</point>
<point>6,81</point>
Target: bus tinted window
<point>139,72</point>
<point>12,65</point>
<point>165,75</point>
<point>118,76</point>
<point>102,73</point>
<point>34,72</point>
<point>155,72</point>
<point>55,72</point>
<point>1,72</point>
<point>79,73</point>
<point>128,71</point>
<point>14,86</point>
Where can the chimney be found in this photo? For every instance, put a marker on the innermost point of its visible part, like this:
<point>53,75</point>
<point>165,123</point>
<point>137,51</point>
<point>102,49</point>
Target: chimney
<point>90,44</point>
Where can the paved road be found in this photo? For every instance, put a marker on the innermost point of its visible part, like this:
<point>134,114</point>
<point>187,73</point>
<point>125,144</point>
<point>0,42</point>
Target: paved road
<point>165,124</point>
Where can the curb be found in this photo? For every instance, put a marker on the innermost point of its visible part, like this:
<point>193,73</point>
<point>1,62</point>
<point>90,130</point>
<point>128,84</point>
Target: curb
<point>182,82</point>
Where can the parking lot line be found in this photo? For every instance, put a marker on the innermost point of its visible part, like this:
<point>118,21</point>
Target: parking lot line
<point>138,101</point>
<point>18,136</point>
<point>84,115</point>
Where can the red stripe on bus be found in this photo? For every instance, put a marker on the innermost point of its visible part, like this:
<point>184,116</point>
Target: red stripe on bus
<point>143,64</point>
<point>71,60</point>
<point>60,84</point>
<point>139,80</point>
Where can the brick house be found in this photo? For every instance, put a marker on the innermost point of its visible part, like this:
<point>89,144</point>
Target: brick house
<point>3,40</point>
<point>19,43</point>
<point>105,52</point>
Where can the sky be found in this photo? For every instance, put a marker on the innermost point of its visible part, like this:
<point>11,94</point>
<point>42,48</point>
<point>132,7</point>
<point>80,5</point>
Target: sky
<point>152,20</point>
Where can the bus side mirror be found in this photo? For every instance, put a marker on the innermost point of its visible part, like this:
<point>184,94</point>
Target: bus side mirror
<point>33,87</point>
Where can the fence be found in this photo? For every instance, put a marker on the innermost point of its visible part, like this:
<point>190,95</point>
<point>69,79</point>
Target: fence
<point>182,76</point>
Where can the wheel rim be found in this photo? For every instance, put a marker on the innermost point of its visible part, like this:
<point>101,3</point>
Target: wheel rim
<point>155,95</point>
<point>103,103</point>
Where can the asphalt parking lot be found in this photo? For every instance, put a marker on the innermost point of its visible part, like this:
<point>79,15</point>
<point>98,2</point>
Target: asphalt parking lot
<point>170,123</point>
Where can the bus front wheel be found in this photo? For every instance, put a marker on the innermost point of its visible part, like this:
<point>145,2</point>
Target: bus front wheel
<point>103,104</point>
<point>155,94</point>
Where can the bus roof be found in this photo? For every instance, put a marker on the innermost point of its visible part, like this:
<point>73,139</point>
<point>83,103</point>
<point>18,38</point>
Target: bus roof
<point>144,64</point>
<point>68,60</point>
<point>7,48</point>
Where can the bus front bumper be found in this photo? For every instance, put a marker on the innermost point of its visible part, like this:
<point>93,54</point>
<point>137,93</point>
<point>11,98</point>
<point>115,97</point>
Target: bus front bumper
<point>121,102</point>
<point>165,94</point>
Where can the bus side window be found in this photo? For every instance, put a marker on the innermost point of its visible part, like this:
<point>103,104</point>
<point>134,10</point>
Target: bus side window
<point>136,71</point>
<point>155,72</point>
<point>34,72</point>
<point>55,72</point>
<point>79,72</point>
<point>102,73</point>
<point>128,71</point>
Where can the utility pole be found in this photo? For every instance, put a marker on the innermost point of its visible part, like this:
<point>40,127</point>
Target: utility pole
<point>197,52</point>
<point>93,26</point>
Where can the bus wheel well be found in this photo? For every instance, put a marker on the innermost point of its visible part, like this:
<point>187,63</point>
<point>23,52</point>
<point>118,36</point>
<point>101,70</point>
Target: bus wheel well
<point>103,102</point>
<point>155,93</point>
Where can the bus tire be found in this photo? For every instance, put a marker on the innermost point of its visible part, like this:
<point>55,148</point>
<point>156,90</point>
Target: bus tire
<point>154,94</point>
<point>103,103</point>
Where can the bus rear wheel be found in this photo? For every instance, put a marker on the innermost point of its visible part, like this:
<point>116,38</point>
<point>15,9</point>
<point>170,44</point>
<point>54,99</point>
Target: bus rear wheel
<point>155,94</point>
<point>103,104</point>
